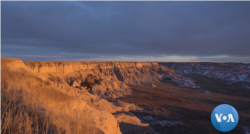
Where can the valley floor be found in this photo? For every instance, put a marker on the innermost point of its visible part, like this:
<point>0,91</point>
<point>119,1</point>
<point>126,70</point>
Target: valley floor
<point>168,103</point>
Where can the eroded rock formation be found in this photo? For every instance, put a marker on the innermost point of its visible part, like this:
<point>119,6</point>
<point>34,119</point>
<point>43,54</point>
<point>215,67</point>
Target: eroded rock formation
<point>231,72</point>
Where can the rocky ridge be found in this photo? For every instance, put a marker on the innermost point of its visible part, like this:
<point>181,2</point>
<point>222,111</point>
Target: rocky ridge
<point>113,75</point>
<point>231,72</point>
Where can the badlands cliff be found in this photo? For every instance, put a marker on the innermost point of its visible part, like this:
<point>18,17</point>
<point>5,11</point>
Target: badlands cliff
<point>128,72</point>
<point>67,104</point>
<point>28,100</point>
<point>67,67</point>
<point>70,95</point>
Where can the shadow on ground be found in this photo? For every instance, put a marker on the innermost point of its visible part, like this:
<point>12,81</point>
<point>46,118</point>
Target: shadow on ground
<point>169,102</point>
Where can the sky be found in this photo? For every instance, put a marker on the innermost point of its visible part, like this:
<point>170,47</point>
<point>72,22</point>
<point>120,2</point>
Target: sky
<point>126,31</point>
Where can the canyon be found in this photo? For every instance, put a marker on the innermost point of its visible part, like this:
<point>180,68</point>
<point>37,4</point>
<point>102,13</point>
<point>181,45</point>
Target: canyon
<point>125,97</point>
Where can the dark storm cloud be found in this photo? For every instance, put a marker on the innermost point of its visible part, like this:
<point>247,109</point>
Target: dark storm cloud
<point>74,30</point>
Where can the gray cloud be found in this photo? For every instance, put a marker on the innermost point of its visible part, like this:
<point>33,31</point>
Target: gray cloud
<point>76,30</point>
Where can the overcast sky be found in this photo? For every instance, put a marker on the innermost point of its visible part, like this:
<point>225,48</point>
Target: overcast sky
<point>126,31</point>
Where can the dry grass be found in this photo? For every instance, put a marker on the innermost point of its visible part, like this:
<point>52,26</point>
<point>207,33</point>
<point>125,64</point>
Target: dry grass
<point>20,118</point>
<point>30,106</point>
<point>5,61</point>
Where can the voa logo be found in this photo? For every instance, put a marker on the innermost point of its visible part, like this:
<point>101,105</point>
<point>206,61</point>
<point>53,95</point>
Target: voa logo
<point>230,117</point>
<point>224,118</point>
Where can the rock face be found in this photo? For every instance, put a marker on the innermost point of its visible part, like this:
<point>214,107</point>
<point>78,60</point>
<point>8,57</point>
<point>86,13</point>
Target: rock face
<point>133,125</point>
<point>111,74</point>
<point>67,111</point>
<point>231,72</point>
<point>105,79</point>
<point>58,90</point>
<point>67,67</point>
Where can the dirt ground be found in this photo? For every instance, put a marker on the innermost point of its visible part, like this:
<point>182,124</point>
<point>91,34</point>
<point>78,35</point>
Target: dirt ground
<point>192,108</point>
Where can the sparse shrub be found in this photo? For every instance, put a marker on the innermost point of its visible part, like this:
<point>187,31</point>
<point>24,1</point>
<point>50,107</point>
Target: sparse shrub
<point>90,75</point>
<point>47,83</point>
<point>86,84</point>
<point>77,87</point>
<point>97,81</point>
